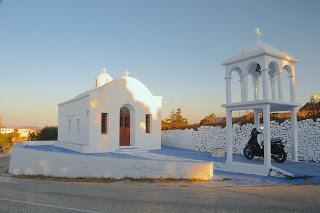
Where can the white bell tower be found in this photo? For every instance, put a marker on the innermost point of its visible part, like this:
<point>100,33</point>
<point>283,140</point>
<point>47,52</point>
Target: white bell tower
<point>266,66</point>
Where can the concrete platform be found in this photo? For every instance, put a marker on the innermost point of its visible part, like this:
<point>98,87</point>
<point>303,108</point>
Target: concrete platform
<point>298,169</point>
<point>43,158</point>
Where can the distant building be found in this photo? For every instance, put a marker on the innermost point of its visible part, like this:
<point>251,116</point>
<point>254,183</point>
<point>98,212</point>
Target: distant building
<point>6,130</point>
<point>24,132</point>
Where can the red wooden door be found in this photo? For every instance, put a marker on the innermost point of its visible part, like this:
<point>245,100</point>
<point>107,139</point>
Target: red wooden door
<point>124,127</point>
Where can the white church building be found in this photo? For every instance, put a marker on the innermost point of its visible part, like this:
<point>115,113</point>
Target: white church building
<point>117,113</point>
<point>111,131</point>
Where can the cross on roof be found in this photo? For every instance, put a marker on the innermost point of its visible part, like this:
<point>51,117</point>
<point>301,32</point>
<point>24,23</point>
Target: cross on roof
<point>126,73</point>
<point>258,33</point>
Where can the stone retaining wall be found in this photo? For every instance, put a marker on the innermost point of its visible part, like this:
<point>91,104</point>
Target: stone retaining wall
<point>206,138</point>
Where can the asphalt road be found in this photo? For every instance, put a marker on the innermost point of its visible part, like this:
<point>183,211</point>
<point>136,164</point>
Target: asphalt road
<point>29,195</point>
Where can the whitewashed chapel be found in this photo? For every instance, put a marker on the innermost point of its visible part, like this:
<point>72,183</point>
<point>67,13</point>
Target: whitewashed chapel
<point>117,113</point>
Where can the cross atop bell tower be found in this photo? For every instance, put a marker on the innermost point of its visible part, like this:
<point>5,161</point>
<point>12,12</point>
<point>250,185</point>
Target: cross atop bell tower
<point>258,33</point>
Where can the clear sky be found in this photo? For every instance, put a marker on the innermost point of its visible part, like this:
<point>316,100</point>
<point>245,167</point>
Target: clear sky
<point>51,51</point>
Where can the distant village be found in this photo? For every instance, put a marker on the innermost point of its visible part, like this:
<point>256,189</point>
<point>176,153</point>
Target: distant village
<point>20,133</point>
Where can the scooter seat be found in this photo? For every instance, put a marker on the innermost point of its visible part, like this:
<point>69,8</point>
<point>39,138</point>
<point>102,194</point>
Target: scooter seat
<point>276,140</point>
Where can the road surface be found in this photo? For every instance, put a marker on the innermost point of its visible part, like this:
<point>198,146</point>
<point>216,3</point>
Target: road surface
<point>32,195</point>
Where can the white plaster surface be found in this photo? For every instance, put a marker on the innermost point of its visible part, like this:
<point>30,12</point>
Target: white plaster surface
<point>32,161</point>
<point>206,138</point>
<point>244,168</point>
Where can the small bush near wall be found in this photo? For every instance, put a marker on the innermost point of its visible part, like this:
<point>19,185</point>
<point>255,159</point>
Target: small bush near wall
<point>46,134</point>
<point>208,137</point>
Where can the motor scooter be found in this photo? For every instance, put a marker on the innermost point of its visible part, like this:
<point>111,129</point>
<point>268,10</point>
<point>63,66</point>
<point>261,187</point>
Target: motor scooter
<point>253,148</point>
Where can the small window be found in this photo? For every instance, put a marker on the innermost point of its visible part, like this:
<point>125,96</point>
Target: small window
<point>78,125</point>
<point>69,125</point>
<point>104,123</point>
<point>148,123</point>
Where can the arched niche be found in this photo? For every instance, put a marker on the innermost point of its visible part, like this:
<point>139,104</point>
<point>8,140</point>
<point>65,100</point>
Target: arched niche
<point>288,83</point>
<point>254,84</point>
<point>273,70</point>
<point>236,84</point>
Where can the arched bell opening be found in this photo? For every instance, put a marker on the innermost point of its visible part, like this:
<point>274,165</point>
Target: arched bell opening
<point>273,70</point>
<point>236,85</point>
<point>288,84</point>
<point>255,90</point>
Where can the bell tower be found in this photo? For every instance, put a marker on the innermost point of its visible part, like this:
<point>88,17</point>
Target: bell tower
<point>266,67</point>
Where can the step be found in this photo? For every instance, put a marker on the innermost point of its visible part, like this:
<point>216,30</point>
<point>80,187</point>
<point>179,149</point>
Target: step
<point>130,149</point>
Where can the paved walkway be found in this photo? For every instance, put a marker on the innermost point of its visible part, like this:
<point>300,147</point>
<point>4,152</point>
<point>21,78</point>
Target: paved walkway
<point>299,169</point>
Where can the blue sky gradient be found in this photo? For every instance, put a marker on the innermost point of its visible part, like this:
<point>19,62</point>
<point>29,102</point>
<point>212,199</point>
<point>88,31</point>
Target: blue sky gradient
<point>51,51</point>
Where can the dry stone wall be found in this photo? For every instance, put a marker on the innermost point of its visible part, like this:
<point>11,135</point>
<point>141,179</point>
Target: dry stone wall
<point>207,137</point>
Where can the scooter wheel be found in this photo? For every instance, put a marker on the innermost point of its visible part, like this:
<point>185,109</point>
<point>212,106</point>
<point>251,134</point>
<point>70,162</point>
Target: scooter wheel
<point>281,157</point>
<point>247,152</point>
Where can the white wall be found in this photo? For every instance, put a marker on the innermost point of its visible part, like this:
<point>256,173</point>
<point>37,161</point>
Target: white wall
<point>26,161</point>
<point>73,110</point>
<point>207,138</point>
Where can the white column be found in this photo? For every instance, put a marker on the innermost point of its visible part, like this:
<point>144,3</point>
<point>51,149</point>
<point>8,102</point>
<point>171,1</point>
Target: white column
<point>294,136</point>
<point>256,90</point>
<point>280,91</point>
<point>265,86</point>
<point>242,89</point>
<point>267,136</point>
<point>273,87</point>
<point>256,119</point>
<point>292,88</point>
<point>228,89</point>
<point>229,135</point>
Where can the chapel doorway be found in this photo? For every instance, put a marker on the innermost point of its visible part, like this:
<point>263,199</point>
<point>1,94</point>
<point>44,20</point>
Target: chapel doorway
<point>124,126</point>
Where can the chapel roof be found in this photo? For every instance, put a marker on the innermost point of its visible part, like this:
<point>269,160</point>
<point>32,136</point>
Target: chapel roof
<point>133,85</point>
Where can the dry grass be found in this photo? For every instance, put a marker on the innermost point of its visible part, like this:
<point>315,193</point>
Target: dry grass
<point>222,179</point>
<point>66,179</point>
